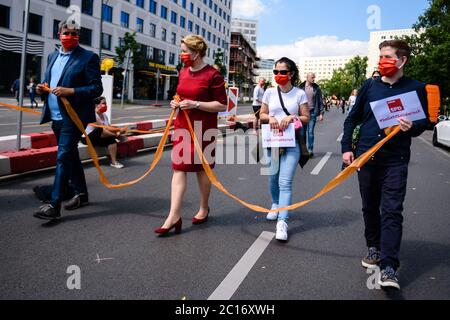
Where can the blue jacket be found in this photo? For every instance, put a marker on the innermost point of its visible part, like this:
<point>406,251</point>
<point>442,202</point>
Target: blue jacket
<point>82,72</point>
<point>397,150</point>
<point>318,100</point>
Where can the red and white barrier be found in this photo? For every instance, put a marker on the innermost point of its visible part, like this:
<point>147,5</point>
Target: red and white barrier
<point>31,159</point>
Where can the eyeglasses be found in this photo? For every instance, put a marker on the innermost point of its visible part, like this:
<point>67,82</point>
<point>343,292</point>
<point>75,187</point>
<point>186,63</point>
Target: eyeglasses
<point>67,33</point>
<point>283,72</point>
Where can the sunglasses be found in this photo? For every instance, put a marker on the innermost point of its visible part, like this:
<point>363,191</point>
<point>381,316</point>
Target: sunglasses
<point>282,72</point>
<point>67,33</point>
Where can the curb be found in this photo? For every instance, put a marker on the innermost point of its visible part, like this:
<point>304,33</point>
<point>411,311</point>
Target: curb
<point>42,150</point>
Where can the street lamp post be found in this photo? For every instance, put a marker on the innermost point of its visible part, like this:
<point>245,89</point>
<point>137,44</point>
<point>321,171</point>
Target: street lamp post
<point>22,73</point>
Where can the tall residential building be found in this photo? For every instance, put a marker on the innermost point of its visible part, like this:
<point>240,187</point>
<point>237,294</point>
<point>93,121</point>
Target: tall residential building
<point>265,70</point>
<point>249,28</point>
<point>323,67</point>
<point>242,65</point>
<point>376,38</point>
<point>159,24</point>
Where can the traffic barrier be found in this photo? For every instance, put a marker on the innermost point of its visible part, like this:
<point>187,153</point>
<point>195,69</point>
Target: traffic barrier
<point>5,166</point>
<point>44,139</point>
<point>9,143</point>
<point>31,159</point>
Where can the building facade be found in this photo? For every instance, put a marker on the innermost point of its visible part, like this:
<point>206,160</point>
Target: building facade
<point>249,28</point>
<point>265,70</point>
<point>376,38</point>
<point>242,65</point>
<point>159,25</point>
<point>323,67</point>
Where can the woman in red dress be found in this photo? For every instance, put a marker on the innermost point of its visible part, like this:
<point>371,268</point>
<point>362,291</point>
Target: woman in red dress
<point>202,91</point>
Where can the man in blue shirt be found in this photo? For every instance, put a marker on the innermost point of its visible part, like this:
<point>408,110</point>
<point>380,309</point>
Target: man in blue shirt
<point>74,73</point>
<point>383,179</point>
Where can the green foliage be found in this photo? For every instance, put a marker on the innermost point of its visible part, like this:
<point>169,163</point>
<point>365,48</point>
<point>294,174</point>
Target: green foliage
<point>139,57</point>
<point>430,62</point>
<point>344,80</point>
<point>219,62</point>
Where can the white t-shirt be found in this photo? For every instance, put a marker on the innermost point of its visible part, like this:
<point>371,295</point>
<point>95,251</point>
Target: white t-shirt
<point>104,122</point>
<point>292,101</point>
<point>258,94</point>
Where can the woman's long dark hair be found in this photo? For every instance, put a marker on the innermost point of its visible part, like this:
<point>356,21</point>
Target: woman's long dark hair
<point>292,67</point>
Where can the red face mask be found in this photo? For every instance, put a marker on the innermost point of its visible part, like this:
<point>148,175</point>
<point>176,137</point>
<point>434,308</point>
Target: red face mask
<point>282,80</point>
<point>69,42</point>
<point>103,108</point>
<point>187,60</point>
<point>388,67</point>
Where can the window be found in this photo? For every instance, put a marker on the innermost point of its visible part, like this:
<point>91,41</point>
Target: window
<point>163,12</point>
<point>140,3</point>
<point>152,30</point>
<point>4,16</point>
<point>139,25</point>
<point>35,24</point>
<point>107,13</point>
<point>64,3</point>
<point>86,36</point>
<point>87,7</point>
<point>182,22</point>
<point>164,34</point>
<point>153,6</point>
<point>55,29</point>
<point>172,57</point>
<point>125,19</point>
<point>159,56</point>
<point>173,17</point>
<point>106,41</point>
<point>190,26</point>
<point>173,39</point>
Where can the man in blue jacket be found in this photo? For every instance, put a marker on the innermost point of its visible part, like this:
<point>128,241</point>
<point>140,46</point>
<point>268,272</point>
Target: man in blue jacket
<point>74,73</point>
<point>383,179</point>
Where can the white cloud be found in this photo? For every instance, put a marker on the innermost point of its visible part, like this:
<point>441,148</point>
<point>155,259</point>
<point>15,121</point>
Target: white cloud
<point>248,8</point>
<point>318,46</point>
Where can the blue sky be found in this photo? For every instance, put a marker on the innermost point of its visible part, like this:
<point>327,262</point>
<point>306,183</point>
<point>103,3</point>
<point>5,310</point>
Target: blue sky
<point>284,22</point>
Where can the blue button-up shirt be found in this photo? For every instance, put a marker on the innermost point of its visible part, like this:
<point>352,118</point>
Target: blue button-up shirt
<point>55,76</point>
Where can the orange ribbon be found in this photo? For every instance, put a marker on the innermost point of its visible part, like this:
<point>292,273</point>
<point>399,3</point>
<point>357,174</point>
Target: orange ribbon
<point>103,179</point>
<point>340,178</point>
<point>20,108</point>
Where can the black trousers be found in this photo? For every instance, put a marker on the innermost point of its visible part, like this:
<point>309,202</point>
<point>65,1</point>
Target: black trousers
<point>383,191</point>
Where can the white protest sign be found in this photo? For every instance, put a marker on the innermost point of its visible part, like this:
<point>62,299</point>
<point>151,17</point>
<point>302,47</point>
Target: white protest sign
<point>278,139</point>
<point>388,110</point>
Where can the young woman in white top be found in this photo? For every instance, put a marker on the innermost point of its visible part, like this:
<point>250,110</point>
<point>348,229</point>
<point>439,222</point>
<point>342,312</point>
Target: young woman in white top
<point>296,103</point>
<point>102,137</point>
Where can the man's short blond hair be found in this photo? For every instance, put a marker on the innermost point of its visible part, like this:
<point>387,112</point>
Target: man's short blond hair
<point>195,43</point>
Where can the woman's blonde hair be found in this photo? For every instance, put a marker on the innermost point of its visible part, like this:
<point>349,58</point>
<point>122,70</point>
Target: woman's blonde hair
<point>195,43</point>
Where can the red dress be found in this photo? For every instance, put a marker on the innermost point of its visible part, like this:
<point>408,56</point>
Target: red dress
<point>205,85</point>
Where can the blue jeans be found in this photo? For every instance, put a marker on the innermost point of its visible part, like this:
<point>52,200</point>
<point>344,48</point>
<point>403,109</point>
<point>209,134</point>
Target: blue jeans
<point>69,169</point>
<point>280,182</point>
<point>310,132</point>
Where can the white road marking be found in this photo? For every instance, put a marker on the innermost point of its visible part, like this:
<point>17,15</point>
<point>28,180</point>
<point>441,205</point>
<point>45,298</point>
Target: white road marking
<point>98,260</point>
<point>436,149</point>
<point>321,164</point>
<point>340,137</point>
<point>237,275</point>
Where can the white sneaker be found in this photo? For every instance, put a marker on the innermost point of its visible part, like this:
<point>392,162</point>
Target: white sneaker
<point>117,165</point>
<point>282,231</point>
<point>274,215</point>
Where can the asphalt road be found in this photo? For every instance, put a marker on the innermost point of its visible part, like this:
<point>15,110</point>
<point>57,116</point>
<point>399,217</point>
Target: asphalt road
<point>320,261</point>
<point>130,113</point>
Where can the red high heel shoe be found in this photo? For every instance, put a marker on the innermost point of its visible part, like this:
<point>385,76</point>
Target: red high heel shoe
<point>177,226</point>
<point>196,221</point>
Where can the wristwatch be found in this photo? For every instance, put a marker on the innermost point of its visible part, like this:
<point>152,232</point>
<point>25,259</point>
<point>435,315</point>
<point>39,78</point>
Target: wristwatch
<point>197,105</point>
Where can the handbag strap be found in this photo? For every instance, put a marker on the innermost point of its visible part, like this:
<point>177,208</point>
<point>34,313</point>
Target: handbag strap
<point>282,102</point>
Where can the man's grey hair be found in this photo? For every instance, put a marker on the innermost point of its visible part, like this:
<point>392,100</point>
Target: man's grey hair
<point>69,24</point>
